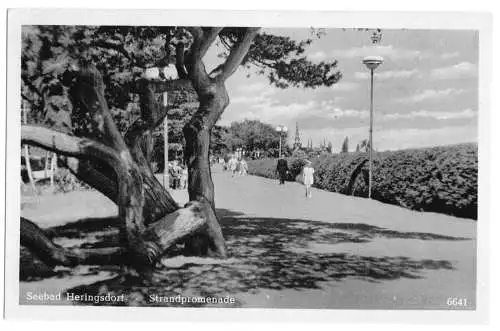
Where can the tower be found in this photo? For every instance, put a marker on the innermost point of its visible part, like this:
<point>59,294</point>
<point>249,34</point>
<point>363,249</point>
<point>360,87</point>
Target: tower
<point>297,144</point>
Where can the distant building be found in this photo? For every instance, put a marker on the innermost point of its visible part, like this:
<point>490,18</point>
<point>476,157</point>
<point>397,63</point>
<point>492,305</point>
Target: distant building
<point>310,144</point>
<point>297,143</point>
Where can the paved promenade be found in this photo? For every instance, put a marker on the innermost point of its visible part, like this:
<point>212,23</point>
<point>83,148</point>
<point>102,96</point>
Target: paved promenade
<point>330,251</point>
<point>413,259</point>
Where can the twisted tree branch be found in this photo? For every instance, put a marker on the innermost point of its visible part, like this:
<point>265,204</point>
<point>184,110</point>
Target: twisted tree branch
<point>238,53</point>
<point>67,145</point>
<point>35,239</point>
<point>203,39</point>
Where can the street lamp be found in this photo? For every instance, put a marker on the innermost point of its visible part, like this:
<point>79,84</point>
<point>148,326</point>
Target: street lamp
<point>166,183</point>
<point>281,129</point>
<point>372,63</point>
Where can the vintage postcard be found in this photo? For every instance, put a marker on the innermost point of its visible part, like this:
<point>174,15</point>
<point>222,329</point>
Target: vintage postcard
<point>315,164</point>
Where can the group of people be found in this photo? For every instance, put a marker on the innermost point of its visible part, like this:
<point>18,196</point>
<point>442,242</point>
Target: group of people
<point>178,174</point>
<point>237,166</point>
<point>306,176</point>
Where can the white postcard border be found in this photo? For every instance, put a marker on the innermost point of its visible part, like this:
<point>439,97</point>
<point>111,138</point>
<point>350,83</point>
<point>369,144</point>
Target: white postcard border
<point>393,20</point>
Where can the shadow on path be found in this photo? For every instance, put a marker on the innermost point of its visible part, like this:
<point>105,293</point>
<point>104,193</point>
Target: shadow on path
<point>266,253</point>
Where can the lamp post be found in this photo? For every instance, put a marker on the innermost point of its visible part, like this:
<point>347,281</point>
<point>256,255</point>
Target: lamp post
<point>166,183</point>
<point>281,129</point>
<point>372,63</point>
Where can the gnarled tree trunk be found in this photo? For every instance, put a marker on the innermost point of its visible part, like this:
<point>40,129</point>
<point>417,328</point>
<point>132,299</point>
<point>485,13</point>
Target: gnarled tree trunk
<point>197,132</point>
<point>116,166</point>
<point>151,222</point>
<point>213,98</point>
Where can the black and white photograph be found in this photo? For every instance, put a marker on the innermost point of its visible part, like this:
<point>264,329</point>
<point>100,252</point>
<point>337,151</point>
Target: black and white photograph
<point>238,166</point>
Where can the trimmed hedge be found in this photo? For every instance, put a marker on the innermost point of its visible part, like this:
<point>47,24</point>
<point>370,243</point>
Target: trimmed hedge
<point>439,179</point>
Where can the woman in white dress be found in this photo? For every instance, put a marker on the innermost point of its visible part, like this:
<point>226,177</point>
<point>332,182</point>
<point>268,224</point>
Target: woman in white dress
<point>243,167</point>
<point>233,165</point>
<point>308,177</point>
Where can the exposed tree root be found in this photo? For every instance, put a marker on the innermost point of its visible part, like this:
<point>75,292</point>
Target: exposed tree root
<point>35,239</point>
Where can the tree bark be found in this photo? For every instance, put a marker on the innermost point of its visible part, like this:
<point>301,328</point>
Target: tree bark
<point>157,201</point>
<point>197,134</point>
<point>88,95</point>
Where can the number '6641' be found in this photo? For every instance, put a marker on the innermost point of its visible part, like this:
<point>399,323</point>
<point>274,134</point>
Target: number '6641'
<point>454,301</point>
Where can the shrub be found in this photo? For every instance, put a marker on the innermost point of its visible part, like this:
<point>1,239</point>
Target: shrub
<point>439,179</point>
<point>64,181</point>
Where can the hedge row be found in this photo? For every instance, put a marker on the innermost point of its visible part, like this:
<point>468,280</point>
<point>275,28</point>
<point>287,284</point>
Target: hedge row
<point>439,179</point>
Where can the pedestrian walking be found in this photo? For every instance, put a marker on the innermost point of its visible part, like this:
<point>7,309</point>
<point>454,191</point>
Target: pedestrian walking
<point>225,163</point>
<point>243,167</point>
<point>233,165</point>
<point>308,177</point>
<point>282,170</point>
<point>174,172</point>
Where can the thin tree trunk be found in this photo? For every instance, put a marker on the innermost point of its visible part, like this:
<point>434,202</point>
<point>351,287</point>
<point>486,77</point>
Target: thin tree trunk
<point>46,167</point>
<point>166,179</point>
<point>26,150</point>
<point>53,165</point>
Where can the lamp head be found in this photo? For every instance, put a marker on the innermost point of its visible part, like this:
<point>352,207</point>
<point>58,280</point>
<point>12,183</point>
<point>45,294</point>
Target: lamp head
<point>372,62</point>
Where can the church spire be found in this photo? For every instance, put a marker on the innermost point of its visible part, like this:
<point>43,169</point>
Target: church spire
<point>297,144</point>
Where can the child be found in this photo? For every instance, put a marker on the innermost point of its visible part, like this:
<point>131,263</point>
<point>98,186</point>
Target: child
<point>308,177</point>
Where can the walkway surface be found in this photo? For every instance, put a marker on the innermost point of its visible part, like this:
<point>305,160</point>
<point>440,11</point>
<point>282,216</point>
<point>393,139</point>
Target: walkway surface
<point>329,251</point>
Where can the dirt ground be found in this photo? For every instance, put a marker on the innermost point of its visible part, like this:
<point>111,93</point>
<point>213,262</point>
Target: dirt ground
<point>330,251</point>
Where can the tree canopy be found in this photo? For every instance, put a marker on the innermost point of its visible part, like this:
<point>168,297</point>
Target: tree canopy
<point>94,91</point>
<point>126,54</point>
<point>252,135</point>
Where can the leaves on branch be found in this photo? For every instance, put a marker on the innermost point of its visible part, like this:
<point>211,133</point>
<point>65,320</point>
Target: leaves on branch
<point>282,60</point>
<point>123,53</point>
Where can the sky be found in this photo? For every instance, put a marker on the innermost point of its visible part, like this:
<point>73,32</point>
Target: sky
<point>425,92</point>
